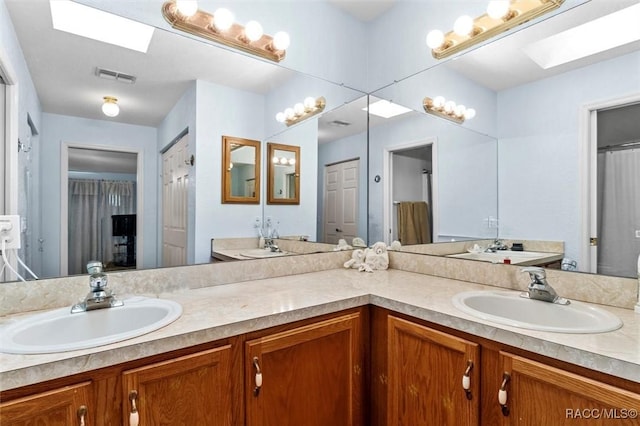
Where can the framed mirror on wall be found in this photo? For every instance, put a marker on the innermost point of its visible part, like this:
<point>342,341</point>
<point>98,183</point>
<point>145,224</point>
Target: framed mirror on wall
<point>283,175</point>
<point>240,170</point>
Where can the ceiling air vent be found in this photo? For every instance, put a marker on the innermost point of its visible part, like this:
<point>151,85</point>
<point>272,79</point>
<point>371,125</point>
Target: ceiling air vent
<point>115,75</point>
<point>339,123</point>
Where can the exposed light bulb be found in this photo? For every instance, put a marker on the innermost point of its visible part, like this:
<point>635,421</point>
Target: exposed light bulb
<point>498,9</point>
<point>110,107</point>
<point>275,160</point>
<point>463,25</point>
<point>438,101</point>
<point>280,117</point>
<point>469,113</point>
<point>281,40</point>
<point>230,166</point>
<point>298,108</point>
<point>222,19</point>
<point>292,161</point>
<point>435,39</point>
<point>309,103</point>
<point>283,160</point>
<point>460,110</point>
<point>289,113</point>
<point>187,7</point>
<point>253,30</point>
<point>449,106</point>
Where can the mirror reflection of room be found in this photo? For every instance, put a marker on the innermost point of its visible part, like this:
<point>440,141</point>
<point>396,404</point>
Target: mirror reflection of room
<point>284,174</point>
<point>240,170</point>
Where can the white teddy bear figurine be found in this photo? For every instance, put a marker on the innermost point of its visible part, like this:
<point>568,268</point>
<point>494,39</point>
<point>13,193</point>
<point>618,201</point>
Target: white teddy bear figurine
<point>356,261</point>
<point>376,258</point>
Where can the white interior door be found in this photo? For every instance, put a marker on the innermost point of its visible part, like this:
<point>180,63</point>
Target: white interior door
<point>175,180</point>
<point>341,187</point>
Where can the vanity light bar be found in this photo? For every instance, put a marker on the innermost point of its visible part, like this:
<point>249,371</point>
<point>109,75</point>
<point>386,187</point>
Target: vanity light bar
<point>442,108</point>
<point>201,24</point>
<point>484,27</point>
<point>302,111</point>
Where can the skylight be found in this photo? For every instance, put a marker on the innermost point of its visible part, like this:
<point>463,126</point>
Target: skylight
<point>605,33</point>
<point>386,109</point>
<point>98,25</point>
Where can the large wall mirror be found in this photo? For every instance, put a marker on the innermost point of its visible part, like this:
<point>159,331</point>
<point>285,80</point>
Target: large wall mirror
<point>240,170</point>
<point>526,136</point>
<point>283,176</point>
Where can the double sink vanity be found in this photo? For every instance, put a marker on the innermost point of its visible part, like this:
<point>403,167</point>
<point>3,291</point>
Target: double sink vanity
<point>264,340</point>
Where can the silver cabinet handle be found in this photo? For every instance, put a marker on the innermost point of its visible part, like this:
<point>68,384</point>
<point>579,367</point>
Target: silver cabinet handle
<point>82,413</point>
<point>502,394</point>
<point>256,390</point>
<point>466,380</point>
<point>134,417</point>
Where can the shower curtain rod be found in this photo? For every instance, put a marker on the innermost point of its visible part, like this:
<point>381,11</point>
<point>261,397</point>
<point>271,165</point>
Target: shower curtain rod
<point>621,147</point>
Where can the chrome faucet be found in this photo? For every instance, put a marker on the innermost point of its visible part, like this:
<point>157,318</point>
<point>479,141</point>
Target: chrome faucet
<point>271,245</point>
<point>99,295</point>
<point>496,245</point>
<point>539,288</point>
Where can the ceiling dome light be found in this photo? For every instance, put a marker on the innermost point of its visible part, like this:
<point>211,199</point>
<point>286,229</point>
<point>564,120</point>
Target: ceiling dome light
<point>281,40</point>
<point>222,19</point>
<point>187,7</point>
<point>435,39</point>
<point>463,25</point>
<point>110,106</point>
<point>498,9</point>
<point>253,30</point>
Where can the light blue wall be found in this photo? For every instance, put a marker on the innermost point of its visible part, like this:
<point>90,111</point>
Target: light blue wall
<point>539,148</point>
<point>221,111</point>
<point>466,175</point>
<point>60,129</point>
<point>297,219</point>
<point>341,150</point>
<point>28,162</point>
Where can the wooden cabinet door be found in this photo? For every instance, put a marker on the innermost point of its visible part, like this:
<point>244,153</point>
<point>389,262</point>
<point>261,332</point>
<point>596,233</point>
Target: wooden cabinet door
<point>191,390</point>
<point>537,394</point>
<point>66,406</point>
<point>425,377</point>
<point>311,375</point>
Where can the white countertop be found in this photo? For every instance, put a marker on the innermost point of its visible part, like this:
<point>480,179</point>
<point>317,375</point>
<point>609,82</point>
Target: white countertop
<point>213,313</point>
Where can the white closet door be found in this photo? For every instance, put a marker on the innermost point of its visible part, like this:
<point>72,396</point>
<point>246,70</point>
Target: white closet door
<point>175,183</point>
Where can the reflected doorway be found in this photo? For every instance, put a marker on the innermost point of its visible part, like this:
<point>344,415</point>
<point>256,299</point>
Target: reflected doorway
<point>410,195</point>
<point>99,185</point>
<point>175,191</point>
<point>618,190</point>
<point>341,193</point>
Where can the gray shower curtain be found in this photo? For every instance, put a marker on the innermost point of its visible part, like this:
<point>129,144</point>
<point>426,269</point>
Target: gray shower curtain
<point>618,212</point>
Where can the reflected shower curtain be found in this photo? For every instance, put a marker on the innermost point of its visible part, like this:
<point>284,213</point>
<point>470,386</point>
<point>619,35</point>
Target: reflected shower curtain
<point>413,223</point>
<point>91,204</point>
<point>618,212</point>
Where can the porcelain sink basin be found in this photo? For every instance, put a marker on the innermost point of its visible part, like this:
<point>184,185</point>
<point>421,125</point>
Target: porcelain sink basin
<point>509,308</point>
<point>516,257</point>
<point>59,330</point>
<point>260,253</point>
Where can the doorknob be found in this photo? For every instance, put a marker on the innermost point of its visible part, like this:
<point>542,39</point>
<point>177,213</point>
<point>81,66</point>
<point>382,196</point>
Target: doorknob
<point>338,230</point>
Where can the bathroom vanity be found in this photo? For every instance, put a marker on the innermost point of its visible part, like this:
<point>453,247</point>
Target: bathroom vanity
<point>379,348</point>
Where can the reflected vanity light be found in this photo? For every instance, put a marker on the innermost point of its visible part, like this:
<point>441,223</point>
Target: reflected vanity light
<point>302,111</point>
<point>501,16</point>
<point>221,28</point>
<point>110,106</point>
<point>440,107</point>
<point>283,161</point>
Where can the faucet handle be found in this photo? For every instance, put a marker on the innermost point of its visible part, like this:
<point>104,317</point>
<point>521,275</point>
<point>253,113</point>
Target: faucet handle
<point>535,272</point>
<point>94,267</point>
